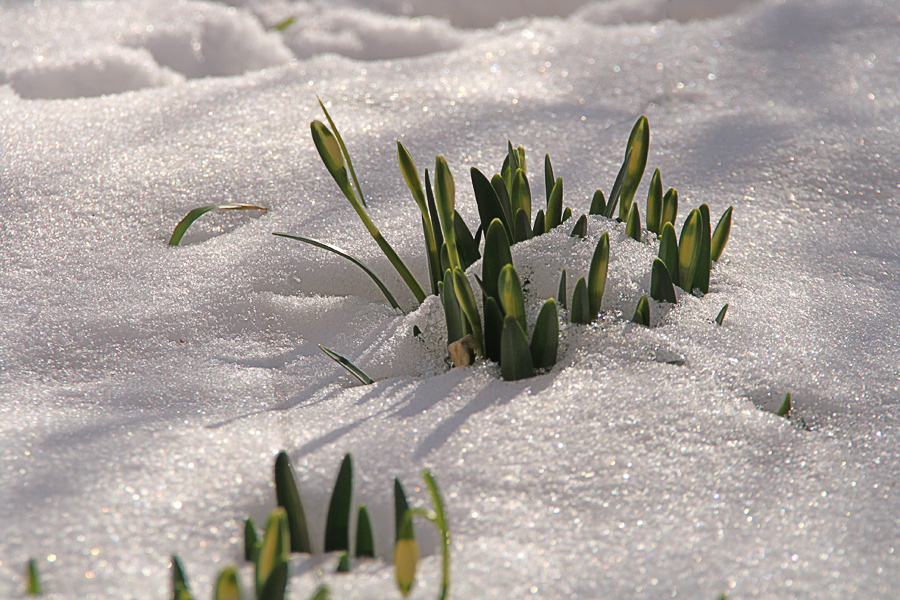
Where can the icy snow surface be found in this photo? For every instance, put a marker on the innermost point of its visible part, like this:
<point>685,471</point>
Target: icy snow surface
<point>145,389</point>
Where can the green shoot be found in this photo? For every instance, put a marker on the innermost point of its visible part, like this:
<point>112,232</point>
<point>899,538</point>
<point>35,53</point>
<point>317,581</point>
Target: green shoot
<point>598,204</point>
<point>343,565</point>
<point>401,505</point>
<point>545,337</point>
<point>228,586</point>
<point>720,318</point>
<point>638,148</point>
<point>580,229</point>
<point>670,207</point>
<point>596,283</point>
<point>785,409</point>
<point>337,523</point>
<point>661,287</point>
<point>581,305</point>
<point>515,355</point>
<point>180,589</point>
<point>642,312</point>
<point>288,497</point>
<point>251,538</point>
<point>720,237</point>
<point>365,539</point>
<point>355,261</point>
<point>633,225</point>
<point>561,294</point>
<point>655,204</point>
<point>271,567</point>
<point>512,300</point>
<point>32,579</point>
<point>322,593</point>
<point>349,366</point>
<point>689,246</point>
<point>195,214</point>
<point>283,25</point>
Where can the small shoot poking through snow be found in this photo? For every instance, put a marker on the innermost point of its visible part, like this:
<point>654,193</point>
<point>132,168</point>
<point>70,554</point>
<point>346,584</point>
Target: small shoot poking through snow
<point>580,313</point>
<point>598,204</point>
<point>515,355</point>
<point>343,565</point>
<point>637,150</point>
<point>785,409</point>
<point>32,579</point>
<point>720,236</point>
<point>661,287</point>
<point>720,318</point>
<point>337,523</point>
<point>545,337</point>
<point>633,225</point>
<point>349,366</point>
<point>596,283</point>
<point>580,229</point>
<point>180,589</point>
<point>274,557</point>
<point>288,497</point>
<point>365,539</point>
<point>561,293</point>
<point>406,550</point>
<point>655,204</point>
<point>195,214</point>
<point>642,312</point>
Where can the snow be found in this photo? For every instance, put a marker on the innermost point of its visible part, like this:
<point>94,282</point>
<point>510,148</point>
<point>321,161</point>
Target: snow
<point>146,389</point>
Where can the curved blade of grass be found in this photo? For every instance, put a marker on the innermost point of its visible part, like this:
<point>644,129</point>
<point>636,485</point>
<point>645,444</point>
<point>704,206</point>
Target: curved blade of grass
<point>598,204</point>
<point>554,206</point>
<point>661,287</point>
<point>342,254</point>
<point>720,237</point>
<point>287,496</point>
<point>343,148</point>
<point>228,586</point>
<point>704,264</point>
<point>580,229</point>
<point>337,523</point>
<point>195,214</point>
<point>720,318</point>
<point>561,293</point>
<point>440,520</point>
<point>617,187</point>
<point>351,368</point>
<point>639,146</point>
<point>670,207</point>
<point>668,251</point>
<point>401,506</point>
<point>596,283</point>
<point>515,356</point>
<point>432,211</point>
<point>512,300</point>
<point>279,27</point>
<point>365,539</point>
<point>489,206</point>
<point>655,203</point>
<point>548,177</point>
<point>251,541</point>
<point>633,225</point>
<point>642,312</point>
<point>466,298</point>
<point>539,224</point>
<point>689,249</point>
<point>581,304</point>
<point>545,337</point>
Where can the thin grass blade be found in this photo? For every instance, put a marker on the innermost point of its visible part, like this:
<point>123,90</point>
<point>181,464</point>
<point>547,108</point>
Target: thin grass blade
<point>561,293</point>
<point>342,254</point>
<point>548,177</point>
<point>349,366</point>
<point>720,318</point>
<point>346,154</point>
<point>195,214</point>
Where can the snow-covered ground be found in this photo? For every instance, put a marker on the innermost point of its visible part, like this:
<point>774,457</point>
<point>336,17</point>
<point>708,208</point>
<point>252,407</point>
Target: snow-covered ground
<point>144,389</point>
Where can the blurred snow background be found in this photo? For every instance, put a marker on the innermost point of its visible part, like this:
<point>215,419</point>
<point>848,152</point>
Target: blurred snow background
<point>145,389</point>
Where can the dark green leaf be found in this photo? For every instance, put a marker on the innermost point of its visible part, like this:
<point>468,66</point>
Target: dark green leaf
<point>337,523</point>
<point>343,565</point>
<point>581,305</point>
<point>497,254</point>
<point>515,360</point>
<point>179,580</point>
<point>597,275</point>
<point>545,337</point>
<point>642,312</point>
<point>639,146</point>
<point>598,204</point>
<point>321,593</point>
<point>655,204</point>
<point>670,207</point>
<point>720,237</point>
<point>401,505</point>
<point>561,294</point>
<point>365,539</point>
<point>452,311</point>
<point>720,318</point>
<point>617,187</point>
<point>539,224</point>
<point>275,585</point>
<point>493,328</point>
<point>33,580</point>
<point>432,212</point>
<point>668,250</point>
<point>342,254</point>
<point>689,246</point>
<point>785,409</point>
<point>633,225</point>
<point>580,229</point>
<point>503,195</point>
<point>489,206</point>
<point>661,287</point>
<point>275,550</point>
<point>228,586</point>
<point>704,265</point>
<point>251,538</point>
<point>195,214</point>
<point>520,195</point>
<point>349,366</point>
<point>288,497</point>
<point>548,177</point>
<point>554,206</point>
<point>522,226</point>
<point>567,214</point>
<point>466,245</point>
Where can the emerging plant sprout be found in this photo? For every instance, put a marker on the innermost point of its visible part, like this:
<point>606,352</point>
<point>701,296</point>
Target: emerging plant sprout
<point>195,214</point>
